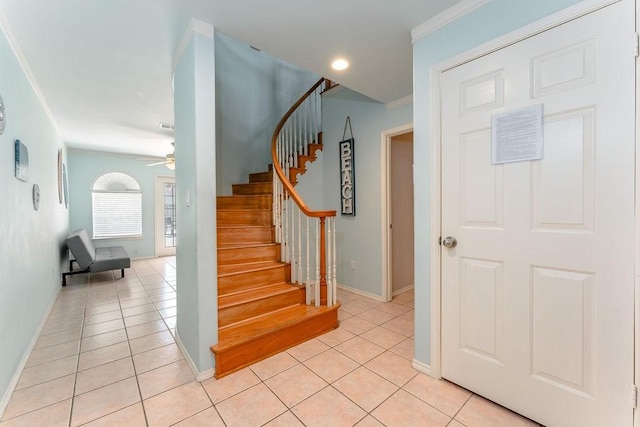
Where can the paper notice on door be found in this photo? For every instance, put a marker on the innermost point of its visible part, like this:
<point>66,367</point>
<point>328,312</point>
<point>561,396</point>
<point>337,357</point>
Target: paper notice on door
<point>516,135</point>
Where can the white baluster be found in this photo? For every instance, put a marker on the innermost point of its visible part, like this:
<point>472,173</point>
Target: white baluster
<point>305,130</point>
<point>299,274</point>
<point>300,127</point>
<point>294,158</point>
<point>306,146</point>
<point>285,249</point>
<point>274,196</point>
<point>294,260</point>
<point>329,266</point>
<point>335,276</point>
<point>317,282</point>
<point>288,154</point>
<point>308,281</point>
<point>309,120</point>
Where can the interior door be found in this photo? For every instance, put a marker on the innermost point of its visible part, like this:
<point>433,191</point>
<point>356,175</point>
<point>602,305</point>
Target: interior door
<point>538,294</point>
<point>165,207</point>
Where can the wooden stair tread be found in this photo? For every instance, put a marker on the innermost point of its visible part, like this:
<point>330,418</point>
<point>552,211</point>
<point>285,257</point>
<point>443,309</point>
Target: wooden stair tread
<point>253,227</point>
<point>261,177</point>
<point>245,196</point>
<point>245,226</point>
<point>243,210</point>
<point>253,184</point>
<point>248,295</point>
<point>252,188</point>
<point>230,246</point>
<point>259,326</point>
<point>227,270</point>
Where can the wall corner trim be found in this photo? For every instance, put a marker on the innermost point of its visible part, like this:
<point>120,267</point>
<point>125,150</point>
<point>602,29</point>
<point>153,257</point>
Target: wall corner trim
<point>200,376</point>
<point>445,17</point>
<point>22,60</point>
<point>195,26</point>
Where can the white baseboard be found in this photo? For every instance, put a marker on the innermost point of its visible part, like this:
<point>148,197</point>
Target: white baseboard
<point>361,293</point>
<point>200,376</point>
<point>402,290</point>
<point>422,367</point>
<point>25,357</point>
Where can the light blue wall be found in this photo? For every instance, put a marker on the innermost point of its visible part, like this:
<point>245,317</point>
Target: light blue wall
<point>253,91</point>
<point>492,20</point>
<point>358,238</point>
<point>30,241</point>
<point>197,298</point>
<point>84,167</point>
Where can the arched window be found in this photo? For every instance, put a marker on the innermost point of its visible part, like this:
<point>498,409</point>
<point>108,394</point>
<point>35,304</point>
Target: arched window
<point>117,206</point>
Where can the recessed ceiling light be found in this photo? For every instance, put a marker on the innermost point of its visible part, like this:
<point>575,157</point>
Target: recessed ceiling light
<point>340,64</point>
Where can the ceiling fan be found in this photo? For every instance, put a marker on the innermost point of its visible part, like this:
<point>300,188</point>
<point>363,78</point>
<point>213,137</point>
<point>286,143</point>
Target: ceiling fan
<point>169,159</point>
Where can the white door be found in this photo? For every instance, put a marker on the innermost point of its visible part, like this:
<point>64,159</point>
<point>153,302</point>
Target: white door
<point>165,209</point>
<point>538,295</point>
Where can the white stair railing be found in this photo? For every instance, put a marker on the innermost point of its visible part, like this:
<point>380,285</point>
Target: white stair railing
<point>294,139</point>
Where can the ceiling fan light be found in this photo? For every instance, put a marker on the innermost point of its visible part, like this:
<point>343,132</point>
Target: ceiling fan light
<point>171,165</point>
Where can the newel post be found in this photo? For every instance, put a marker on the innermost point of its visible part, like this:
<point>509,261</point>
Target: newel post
<point>323,264</point>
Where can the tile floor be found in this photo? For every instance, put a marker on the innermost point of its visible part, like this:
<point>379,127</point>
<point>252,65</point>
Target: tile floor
<point>107,357</point>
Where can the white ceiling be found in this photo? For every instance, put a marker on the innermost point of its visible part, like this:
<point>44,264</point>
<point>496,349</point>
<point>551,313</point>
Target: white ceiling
<point>104,67</point>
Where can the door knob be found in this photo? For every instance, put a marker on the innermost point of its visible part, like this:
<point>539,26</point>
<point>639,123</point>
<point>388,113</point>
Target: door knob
<point>449,242</point>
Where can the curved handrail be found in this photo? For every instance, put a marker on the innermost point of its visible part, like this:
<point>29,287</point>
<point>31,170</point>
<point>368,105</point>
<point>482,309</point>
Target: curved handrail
<point>276,162</point>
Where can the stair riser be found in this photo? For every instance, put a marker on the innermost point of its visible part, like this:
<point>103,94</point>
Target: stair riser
<point>251,189</point>
<point>253,217</point>
<point>313,148</point>
<point>247,202</point>
<point>238,357</point>
<point>233,236</point>
<point>246,255</point>
<point>237,313</point>
<point>242,281</point>
<point>261,177</point>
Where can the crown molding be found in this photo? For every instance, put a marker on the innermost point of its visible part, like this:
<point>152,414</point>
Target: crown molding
<point>445,17</point>
<point>71,148</point>
<point>194,27</point>
<point>399,102</point>
<point>22,60</point>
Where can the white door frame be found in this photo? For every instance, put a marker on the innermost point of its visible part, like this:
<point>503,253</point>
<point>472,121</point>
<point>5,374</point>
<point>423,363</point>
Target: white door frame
<point>385,175</point>
<point>158,208</point>
<point>566,15</point>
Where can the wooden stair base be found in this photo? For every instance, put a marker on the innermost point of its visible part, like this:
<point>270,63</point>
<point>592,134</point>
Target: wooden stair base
<point>260,313</point>
<point>255,339</point>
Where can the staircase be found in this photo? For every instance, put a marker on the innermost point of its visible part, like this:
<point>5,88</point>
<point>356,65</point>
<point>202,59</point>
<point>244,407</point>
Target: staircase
<point>260,311</point>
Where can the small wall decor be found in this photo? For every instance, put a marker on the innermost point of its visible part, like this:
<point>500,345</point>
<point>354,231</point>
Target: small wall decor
<point>60,175</point>
<point>35,195</point>
<point>3,116</point>
<point>347,173</point>
<point>65,186</point>
<point>22,161</point>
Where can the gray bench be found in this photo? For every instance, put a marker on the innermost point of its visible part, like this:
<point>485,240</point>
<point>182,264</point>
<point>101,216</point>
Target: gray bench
<point>92,259</point>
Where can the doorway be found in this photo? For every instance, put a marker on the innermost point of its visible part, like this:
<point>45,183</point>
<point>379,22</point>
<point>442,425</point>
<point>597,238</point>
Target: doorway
<point>165,216</point>
<point>398,214</point>
<point>401,227</point>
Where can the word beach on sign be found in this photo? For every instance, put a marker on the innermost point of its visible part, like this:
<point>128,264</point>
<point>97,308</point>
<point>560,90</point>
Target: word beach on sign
<point>347,178</point>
